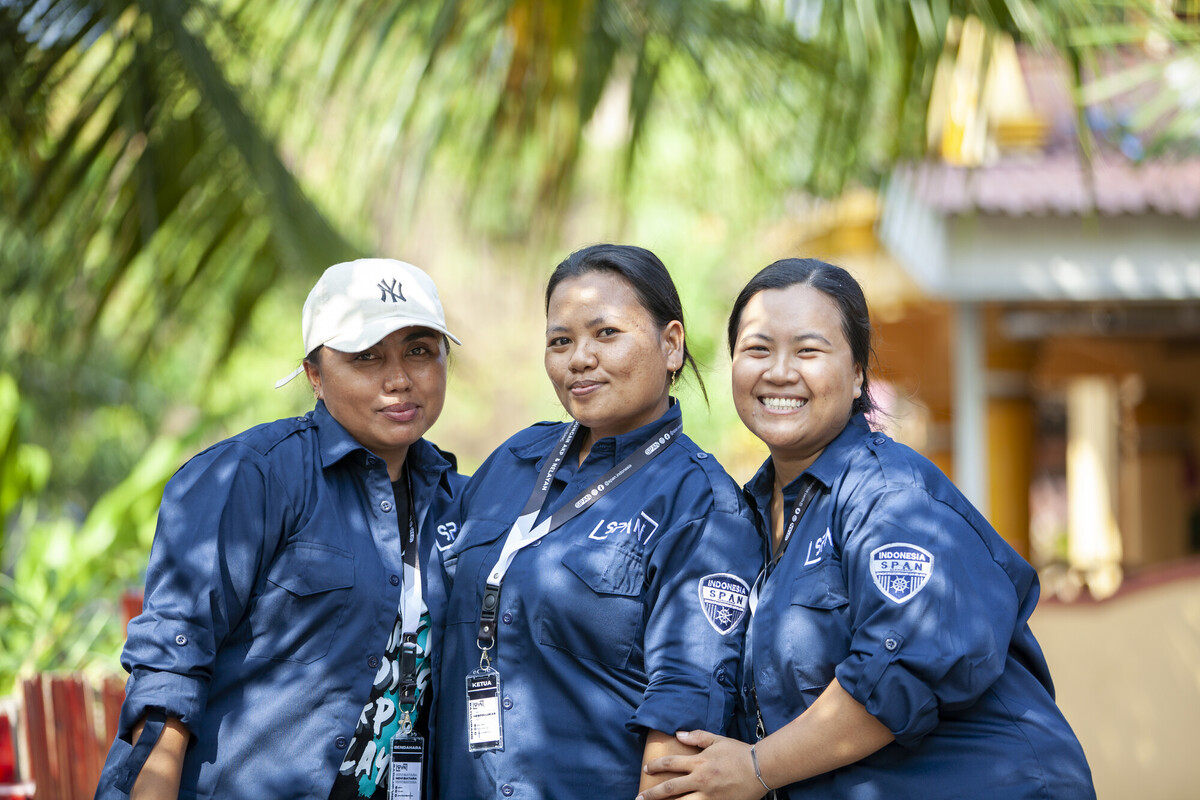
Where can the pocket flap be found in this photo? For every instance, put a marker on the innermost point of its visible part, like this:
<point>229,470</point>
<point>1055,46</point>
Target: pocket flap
<point>305,568</point>
<point>607,567</point>
<point>820,587</point>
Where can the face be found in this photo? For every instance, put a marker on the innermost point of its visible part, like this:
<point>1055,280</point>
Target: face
<point>388,395</point>
<point>609,361</point>
<point>794,378</point>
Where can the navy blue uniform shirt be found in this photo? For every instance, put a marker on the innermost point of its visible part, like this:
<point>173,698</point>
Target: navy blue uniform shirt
<point>895,584</point>
<point>273,585</point>
<point>606,627</point>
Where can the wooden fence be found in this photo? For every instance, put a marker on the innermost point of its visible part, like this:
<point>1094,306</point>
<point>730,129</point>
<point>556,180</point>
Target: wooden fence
<point>56,730</point>
<point>59,737</point>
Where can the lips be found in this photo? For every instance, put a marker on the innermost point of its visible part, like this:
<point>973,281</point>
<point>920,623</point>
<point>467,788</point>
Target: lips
<point>400,412</point>
<point>783,403</point>
<point>583,388</point>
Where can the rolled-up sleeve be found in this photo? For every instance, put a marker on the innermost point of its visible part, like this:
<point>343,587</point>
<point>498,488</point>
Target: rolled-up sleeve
<point>699,578</point>
<point>220,514</point>
<point>928,641</point>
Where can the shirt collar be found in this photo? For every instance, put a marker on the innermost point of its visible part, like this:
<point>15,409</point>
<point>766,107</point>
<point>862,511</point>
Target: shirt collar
<point>335,442</point>
<point>614,447</point>
<point>825,469</point>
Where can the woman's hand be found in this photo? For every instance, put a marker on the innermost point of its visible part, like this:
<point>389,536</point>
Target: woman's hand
<point>834,731</point>
<point>722,770</point>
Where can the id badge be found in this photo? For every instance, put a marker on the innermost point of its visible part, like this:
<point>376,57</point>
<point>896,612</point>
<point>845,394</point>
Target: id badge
<point>408,757</point>
<point>485,730</point>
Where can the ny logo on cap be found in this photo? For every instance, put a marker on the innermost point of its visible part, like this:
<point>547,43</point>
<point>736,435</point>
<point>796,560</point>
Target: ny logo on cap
<point>394,290</point>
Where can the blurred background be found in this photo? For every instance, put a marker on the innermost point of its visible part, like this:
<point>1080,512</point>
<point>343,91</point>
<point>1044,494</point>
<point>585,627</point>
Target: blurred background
<point>1016,184</point>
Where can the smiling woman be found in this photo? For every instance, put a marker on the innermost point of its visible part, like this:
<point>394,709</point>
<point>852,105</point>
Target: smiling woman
<point>290,558</point>
<point>607,357</point>
<point>607,607</point>
<point>793,385</point>
<point>889,652</point>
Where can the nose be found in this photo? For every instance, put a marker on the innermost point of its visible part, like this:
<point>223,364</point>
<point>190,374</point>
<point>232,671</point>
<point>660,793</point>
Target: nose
<point>396,379</point>
<point>581,357</point>
<point>781,371</point>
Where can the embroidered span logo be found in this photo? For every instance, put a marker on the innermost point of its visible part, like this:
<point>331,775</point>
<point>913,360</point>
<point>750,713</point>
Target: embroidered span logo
<point>900,570</point>
<point>641,527</point>
<point>723,599</point>
<point>394,290</point>
<point>817,549</point>
<point>447,532</point>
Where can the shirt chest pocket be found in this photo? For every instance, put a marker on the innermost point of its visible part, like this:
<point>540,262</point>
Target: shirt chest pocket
<point>599,613</point>
<point>467,564</point>
<point>300,607</point>
<point>817,630</point>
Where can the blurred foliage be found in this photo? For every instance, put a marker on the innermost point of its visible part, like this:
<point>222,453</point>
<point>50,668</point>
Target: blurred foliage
<point>63,575</point>
<point>173,177</point>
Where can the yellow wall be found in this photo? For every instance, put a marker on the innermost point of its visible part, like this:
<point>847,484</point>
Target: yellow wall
<point>1010,459</point>
<point>1127,672</point>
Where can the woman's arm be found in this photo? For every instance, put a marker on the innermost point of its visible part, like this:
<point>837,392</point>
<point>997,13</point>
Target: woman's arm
<point>159,778</point>
<point>835,731</point>
<point>661,745</point>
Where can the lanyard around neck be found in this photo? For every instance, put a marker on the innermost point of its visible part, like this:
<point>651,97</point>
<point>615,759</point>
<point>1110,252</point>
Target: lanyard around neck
<point>524,532</point>
<point>808,490</point>
<point>411,605</point>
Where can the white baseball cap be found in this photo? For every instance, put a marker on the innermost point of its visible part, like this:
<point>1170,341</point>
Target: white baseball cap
<point>357,303</point>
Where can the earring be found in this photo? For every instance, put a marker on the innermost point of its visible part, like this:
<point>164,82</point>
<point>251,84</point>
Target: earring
<point>674,375</point>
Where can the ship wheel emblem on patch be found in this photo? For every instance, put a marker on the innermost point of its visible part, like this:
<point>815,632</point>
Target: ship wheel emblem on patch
<point>900,570</point>
<point>723,598</point>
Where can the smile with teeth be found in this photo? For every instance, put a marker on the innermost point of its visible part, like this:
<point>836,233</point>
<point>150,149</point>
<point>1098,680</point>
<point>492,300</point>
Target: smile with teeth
<point>782,403</point>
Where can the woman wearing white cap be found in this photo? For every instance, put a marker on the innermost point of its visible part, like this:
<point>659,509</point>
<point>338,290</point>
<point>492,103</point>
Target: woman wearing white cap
<point>281,648</point>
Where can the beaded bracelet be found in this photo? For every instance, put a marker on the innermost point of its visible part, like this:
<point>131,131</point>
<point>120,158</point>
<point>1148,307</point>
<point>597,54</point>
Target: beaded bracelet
<point>757,773</point>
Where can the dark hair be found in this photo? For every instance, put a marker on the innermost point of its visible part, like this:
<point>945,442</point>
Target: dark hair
<point>837,284</point>
<point>644,273</point>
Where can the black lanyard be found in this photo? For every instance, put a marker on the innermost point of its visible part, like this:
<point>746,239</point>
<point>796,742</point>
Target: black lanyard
<point>410,608</point>
<point>808,490</point>
<point>525,533</point>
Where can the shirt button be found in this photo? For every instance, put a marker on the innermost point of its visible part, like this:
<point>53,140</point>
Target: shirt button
<point>507,618</point>
<point>507,703</point>
<point>386,505</point>
<point>890,644</point>
<point>181,640</point>
<point>340,743</point>
<point>701,455</point>
<point>880,441</point>
<point>506,790</point>
<point>373,662</point>
<point>394,580</point>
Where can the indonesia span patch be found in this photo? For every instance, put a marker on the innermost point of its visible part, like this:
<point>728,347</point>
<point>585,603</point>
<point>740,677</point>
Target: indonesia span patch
<point>900,570</point>
<point>723,598</point>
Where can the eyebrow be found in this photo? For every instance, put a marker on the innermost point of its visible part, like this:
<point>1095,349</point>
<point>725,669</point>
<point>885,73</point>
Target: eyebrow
<point>591,323</point>
<point>800,337</point>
